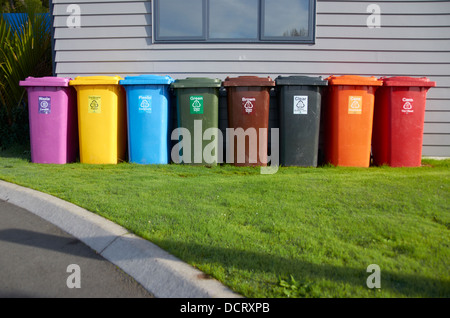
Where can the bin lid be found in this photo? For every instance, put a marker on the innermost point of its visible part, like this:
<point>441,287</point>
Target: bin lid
<point>96,80</point>
<point>45,81</point>
<point>407,81</point>
<point>197,82</point>
<point>301,80</point>
<point>248,81</point>
<point>147,79</point>
<point>354,80</point>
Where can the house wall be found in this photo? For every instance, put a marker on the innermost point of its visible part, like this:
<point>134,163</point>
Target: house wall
<point>115,38</point>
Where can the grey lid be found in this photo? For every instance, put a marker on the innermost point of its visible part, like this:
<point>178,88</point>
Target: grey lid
<point>301,80</point>
<point>197,82</point>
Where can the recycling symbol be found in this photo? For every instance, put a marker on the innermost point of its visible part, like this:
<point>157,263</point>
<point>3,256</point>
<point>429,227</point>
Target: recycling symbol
<point>407,105</point>
<point>248,106</point>
<point>44,104</point>
<point>355,105</point>
<point>300,105</point>
<point>94,105</point>
<point>196,103</point>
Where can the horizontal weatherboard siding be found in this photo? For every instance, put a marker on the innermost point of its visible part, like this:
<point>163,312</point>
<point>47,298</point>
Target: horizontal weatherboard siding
<point>116,38</point>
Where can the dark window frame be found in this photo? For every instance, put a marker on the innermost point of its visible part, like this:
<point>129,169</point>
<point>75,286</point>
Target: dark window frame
<point>261,38</point>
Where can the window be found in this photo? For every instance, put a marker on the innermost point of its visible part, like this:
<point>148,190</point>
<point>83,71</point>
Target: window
<point>196,21</point>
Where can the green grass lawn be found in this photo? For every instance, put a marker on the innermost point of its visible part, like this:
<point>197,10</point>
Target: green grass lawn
<point>302,232</point>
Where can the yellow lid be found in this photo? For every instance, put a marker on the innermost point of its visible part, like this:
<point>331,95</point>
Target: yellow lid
<point>96,80</point>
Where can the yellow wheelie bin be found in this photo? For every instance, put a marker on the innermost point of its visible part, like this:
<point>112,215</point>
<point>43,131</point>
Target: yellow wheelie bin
<point>101,119</point>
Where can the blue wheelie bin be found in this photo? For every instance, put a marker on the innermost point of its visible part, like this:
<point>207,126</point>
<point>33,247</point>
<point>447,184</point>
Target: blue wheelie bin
<point>148,107</point>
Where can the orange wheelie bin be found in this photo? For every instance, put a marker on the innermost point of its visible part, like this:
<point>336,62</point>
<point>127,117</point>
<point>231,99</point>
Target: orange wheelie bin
<point>348,118</point>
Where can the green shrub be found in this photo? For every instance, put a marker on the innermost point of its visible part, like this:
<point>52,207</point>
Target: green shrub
<point>25,51</point>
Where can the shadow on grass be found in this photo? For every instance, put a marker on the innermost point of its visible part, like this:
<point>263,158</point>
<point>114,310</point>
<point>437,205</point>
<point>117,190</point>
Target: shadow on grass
<point>408,285</point>
<point>17,151</point>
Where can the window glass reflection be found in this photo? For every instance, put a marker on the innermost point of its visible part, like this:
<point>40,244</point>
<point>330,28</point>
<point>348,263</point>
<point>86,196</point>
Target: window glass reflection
<point>180,18</point>
<point>233,19</point>
<point>286,18</point>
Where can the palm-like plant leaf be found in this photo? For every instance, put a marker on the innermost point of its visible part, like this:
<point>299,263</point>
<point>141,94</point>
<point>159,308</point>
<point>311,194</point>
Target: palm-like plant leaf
<point>25,51</point>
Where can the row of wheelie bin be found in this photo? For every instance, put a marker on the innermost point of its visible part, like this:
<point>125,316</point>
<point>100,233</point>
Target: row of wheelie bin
<point>106,119</point>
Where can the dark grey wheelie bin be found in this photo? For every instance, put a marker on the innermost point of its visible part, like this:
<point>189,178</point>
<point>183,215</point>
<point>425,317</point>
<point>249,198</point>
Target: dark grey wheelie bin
<point>299,115</point>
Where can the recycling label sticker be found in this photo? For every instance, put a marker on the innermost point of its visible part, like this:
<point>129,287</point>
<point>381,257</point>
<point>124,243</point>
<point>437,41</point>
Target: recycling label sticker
<point>300,105</point>
<point>94,104</point>
<point>355,105</point>
<point>407,107</point>
<point>45,103</point>
<point>196,103</point>
<point>145,104</point>
<point>248,105</point>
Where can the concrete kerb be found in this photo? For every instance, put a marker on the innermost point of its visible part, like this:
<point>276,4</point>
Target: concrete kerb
<point>161,273</point>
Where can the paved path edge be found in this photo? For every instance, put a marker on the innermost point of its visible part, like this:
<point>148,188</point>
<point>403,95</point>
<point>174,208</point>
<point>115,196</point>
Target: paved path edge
<point>162,274</point>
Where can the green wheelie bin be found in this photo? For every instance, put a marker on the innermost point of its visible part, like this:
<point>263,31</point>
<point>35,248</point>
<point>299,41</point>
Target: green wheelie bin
<point>198,135</point>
